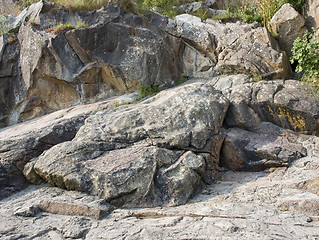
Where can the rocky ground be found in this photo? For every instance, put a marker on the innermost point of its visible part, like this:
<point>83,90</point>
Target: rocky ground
<point>276,204</point>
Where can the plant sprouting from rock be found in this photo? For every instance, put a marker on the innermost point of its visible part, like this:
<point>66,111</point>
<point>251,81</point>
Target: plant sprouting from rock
<point>305,52</point>
<point>4,25</point>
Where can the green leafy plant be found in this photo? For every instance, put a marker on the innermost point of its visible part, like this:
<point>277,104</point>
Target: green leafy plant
<point>305,52</point>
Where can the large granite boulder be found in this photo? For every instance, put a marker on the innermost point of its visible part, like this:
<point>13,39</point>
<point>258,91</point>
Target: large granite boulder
<point>22,142</point>
<point>287,24</point>
<point>228,48</point>
<point>285,103</point>
<point>158,152</point>
<point>267,146</point>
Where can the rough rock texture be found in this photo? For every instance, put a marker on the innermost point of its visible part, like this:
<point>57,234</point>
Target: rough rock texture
<point>287,24</point>
<point>108,159</point>
<point>8,7</point>
<point>12,89</point>
<point>267,146</point>
<point>22,142</point>
<point>44,70</point>
<point>229,48</point>
<point>284,103</point>
<point>201,7</point>
<point>115,54</point>
<point>242,205</point>
<point>311,14</point>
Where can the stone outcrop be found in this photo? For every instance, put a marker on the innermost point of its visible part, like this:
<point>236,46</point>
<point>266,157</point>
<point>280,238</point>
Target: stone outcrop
<point>311,14</point>
<point>287,24</point>
<point>228,48</point>
<point>115,54</point>
<point>20,143</point>
<point>159,152</point>
<point>44,70</point>
<point>285,103</point>
<point>267,146</point>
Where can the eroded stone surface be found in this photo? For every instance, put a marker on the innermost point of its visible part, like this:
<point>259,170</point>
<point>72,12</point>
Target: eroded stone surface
<point>264,147</point>
<point>135,155</point>
<point>22,142</point>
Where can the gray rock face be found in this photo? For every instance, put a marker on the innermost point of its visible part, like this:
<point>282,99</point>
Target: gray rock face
<point>135,155</point>
<point>267,146</point>
<point>20,143</point>
<point>12,89</point>
<point>311,14</point>
<point>284,103</point>
<point>230,48</point>
<point>287,24</point>
<point>115,54</point>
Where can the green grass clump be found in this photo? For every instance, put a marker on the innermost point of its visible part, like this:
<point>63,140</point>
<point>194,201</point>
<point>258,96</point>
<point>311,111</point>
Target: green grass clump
<point>81,24</point>
<point>63,27</point>
<point>4,26</point>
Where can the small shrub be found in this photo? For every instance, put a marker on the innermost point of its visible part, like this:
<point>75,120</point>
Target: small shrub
<point>305,52</point>
<point>145,91</point>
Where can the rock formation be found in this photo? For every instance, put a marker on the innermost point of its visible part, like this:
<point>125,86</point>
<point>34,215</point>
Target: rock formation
<point>287,24</point>
<point>44,70</point>
<point>216,157</point>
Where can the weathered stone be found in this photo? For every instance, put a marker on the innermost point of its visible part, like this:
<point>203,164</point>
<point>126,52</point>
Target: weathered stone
<point>199,7</point>
<point>20,143</point>
<point>231,47</point>
<point>284,103</point>
<point>30,211</point>
<point>12,89</point>
<point>310,206</point>
<point>287,24</point>
<point>115,54</point>
<point>8,7</point>
<point>76,228</point>
<point>267,146</point>
<point>66,208</point>
<point>239,205</point>
<point>103,160</point>
<point>311,14</point>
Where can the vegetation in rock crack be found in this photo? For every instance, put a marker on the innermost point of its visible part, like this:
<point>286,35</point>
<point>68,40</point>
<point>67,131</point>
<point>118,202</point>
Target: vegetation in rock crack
<point>81,24</point>
<point>145,91</point>
<point>61,28</point>
<point>305,52</point>
<point>3,25</point>
<point>256,11</point>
